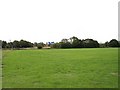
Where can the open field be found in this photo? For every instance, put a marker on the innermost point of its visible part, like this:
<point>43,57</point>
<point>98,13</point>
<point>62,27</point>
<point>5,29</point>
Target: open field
<point>61,68</point>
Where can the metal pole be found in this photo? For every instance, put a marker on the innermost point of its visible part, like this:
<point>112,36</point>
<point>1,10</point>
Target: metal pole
<point>1,64</point>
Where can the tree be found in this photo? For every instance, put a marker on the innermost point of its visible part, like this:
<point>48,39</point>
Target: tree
<point>119,43</point>
<point>76,43</point>
<point>90,43</point>
<point>35,44</point>
<point>64,40</point>
<point>9,45</point>
<point>25,44</point>
<point>102,45</point>
<point>113,43</point>
<point>40,45</point>
<point>106,44</point>
<point>4,43</point>
<point>73,38</point>
<point>96,44</point>
<point>65,45</point>
<point>56,45</point>
<point>16,44</point>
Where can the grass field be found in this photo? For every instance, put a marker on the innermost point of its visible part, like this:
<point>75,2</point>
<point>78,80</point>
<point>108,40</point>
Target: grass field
<point>61,68</point>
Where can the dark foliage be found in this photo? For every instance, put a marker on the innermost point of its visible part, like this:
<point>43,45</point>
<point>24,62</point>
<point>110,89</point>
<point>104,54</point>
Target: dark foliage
<point>73,42</point>
<point>113,43</point>
<point>39,47</point>
<point>4,43</point>
<point>65,45</point>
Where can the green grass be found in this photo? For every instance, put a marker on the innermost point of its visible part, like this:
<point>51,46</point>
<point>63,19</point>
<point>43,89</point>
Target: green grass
<point>61,68</point>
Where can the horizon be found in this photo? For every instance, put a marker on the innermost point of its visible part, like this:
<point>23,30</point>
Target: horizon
<point>59,41</point>
<point>54,20</point>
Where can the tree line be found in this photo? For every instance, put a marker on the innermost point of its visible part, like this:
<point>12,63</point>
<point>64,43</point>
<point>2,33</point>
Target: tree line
<point>72,42</point>
<point>17,44</point>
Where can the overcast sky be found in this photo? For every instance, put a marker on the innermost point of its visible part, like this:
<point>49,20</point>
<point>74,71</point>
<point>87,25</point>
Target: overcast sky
<point>53,20</point>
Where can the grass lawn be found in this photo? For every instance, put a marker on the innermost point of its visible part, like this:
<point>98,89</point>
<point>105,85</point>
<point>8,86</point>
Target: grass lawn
<point>61,68</point>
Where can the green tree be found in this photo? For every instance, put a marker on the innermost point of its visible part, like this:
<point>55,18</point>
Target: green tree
<point>73,39</point>
<point>25,44</point>
<point>40,45</point>
<point>65,45</point>
<point>16,44</point>
<point>35,44</point>
<point>56,45</point>
<point>4,43</point>
<point>106,44</point>
<point>113,43</point>
<point>64,40</point>
<point>76,43</point>
<point>9,45</point>
<point>90,43</point>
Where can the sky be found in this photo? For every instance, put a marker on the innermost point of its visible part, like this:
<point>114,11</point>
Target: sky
<point>53,20</point>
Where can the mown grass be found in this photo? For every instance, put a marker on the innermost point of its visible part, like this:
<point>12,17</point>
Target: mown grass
<point>61,68</point>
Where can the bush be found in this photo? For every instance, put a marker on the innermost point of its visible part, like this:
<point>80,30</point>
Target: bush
<point>56,45</point>
<point>65,45</point>
<point>39,47</point>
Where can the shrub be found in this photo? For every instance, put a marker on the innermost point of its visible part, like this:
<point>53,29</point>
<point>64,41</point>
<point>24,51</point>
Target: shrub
<point>39,47</point>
